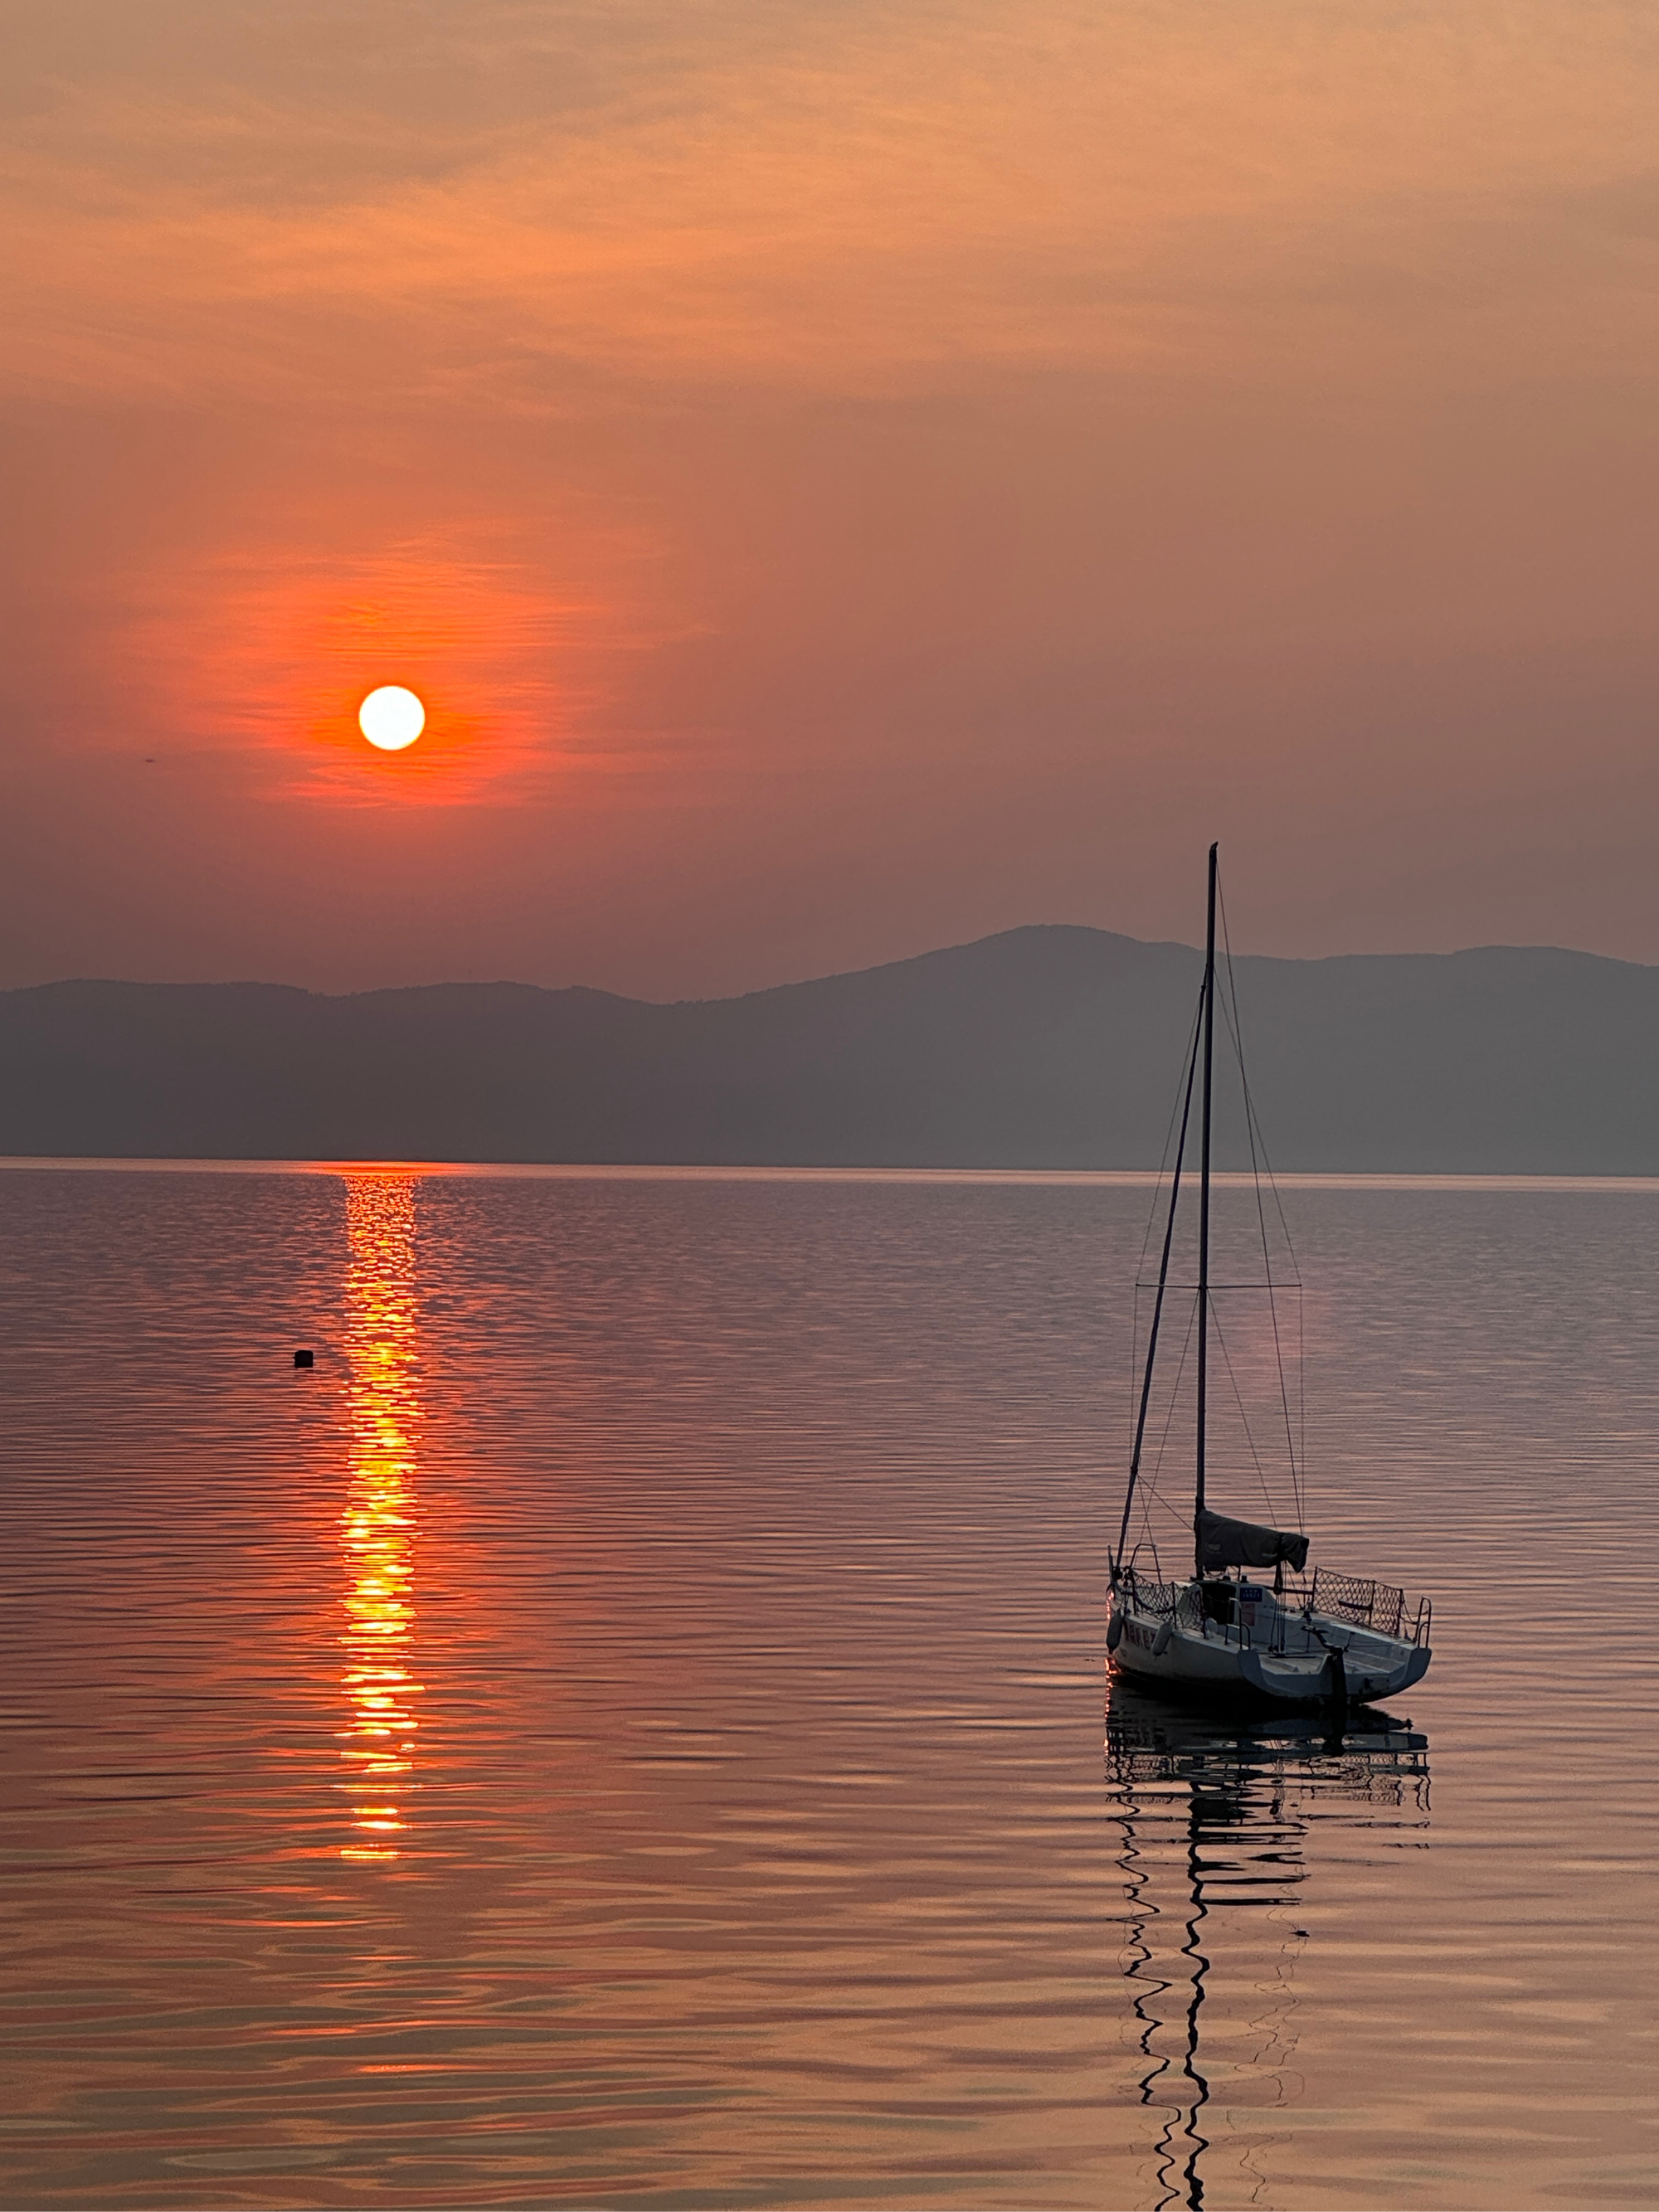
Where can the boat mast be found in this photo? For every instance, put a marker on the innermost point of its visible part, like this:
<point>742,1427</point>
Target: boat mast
<point>1204,1221</point>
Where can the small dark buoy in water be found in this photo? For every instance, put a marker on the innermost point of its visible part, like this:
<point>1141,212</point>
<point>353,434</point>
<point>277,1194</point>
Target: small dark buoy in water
<point>304,1359</point>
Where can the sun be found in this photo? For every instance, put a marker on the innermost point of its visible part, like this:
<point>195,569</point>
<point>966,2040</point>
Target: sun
<point>391,717</point>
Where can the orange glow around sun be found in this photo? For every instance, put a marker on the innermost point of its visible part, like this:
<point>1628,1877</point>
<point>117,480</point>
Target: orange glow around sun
<point>411,678</point>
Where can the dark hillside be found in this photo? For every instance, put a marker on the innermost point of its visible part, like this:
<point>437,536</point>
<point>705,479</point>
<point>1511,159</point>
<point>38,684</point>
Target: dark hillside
<point>1039,1048</point>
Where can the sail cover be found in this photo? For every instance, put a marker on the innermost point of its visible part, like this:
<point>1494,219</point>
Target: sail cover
<point>1224,1543</point>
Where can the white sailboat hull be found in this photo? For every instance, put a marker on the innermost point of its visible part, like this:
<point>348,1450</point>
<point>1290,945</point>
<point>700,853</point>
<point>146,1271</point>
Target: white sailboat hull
<point>1301,1658</point>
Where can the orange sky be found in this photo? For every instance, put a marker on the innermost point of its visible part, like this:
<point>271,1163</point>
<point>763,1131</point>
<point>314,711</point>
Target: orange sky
<point>844,479</point>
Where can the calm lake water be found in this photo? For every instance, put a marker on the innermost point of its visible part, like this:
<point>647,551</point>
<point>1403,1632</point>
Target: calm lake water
<point>629,1726</point>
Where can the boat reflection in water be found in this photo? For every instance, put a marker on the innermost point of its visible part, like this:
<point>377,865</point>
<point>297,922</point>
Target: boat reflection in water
<point>378,1526</point>
<point>1213,1814</point>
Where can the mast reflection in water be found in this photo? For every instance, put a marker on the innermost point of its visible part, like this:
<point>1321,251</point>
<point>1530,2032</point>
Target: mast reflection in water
<point>1213,1816</point>
<point>378,1526</point>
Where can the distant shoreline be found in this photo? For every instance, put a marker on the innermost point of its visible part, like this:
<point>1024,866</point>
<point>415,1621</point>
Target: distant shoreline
<point>1046,1051</point>
<point>668,1171</point>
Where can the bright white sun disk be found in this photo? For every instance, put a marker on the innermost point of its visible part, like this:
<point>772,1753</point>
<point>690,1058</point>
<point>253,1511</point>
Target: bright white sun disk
<point>391,717</point>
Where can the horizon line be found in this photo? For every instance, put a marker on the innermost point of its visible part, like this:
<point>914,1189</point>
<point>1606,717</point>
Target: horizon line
<point>640,1171</point>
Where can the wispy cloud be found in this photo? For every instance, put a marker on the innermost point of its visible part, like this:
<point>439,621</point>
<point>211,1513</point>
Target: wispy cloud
<point>863,201</point>
<point>884,435</point>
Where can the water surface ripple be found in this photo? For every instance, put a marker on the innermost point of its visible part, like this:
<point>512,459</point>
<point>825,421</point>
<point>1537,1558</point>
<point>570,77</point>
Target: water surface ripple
<point>628,1726</point>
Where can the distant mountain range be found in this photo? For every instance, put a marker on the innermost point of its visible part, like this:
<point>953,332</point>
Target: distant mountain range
<point>1040,1048</point>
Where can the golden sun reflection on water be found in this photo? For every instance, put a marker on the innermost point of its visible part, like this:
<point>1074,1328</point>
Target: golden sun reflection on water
<point>380,1524</point>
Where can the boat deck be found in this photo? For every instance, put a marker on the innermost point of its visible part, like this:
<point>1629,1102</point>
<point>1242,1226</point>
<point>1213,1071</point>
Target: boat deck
<point>1291,1626</point>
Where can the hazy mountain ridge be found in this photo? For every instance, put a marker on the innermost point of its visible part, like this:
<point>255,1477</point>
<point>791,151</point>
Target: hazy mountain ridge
<point>1042,1046</point>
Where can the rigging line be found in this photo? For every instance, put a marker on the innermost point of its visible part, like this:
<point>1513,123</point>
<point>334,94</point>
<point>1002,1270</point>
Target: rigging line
<point>1151,1480</point>
<point>1258,1143</point>
<point>1244,1418</point>
<point>1157,1306</point>
<point>1177,1107</point>
<point>1150,1494</point>
<point>1235,1028</point>
<point>1235,1033</point>
<point>1301,1386</point>
<point>1253,1121</point>
<point>1232,986</point>
<point>1182,1101</point>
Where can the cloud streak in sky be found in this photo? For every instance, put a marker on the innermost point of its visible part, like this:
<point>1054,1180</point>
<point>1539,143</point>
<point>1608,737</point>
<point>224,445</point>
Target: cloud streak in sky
<point>884,472</point>
<point>918,198</point>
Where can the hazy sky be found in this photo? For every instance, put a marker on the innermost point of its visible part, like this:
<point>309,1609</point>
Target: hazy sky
<point>845,478</point>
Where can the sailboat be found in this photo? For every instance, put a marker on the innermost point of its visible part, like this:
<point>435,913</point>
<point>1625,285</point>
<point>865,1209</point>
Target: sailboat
<point>1224,1633</point>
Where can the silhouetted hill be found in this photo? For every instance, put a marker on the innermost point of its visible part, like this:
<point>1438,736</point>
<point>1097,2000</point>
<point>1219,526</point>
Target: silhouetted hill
<point>1039,1048</point>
